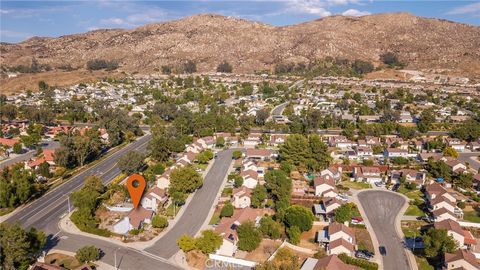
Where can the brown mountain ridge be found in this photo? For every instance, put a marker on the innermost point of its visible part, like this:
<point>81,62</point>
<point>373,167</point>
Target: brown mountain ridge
<point>421,43</point>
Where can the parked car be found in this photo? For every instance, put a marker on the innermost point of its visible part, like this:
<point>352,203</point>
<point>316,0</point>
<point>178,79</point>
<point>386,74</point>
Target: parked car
<point>378,184</point>
<point>395,187</point>
<point>382,250</point>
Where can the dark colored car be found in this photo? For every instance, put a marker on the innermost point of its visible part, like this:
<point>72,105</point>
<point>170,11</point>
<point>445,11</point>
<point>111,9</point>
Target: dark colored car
<point>383,250</point>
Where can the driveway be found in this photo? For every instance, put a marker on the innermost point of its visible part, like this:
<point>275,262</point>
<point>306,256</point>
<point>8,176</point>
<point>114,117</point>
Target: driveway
<point>195,215</point>
<point>471,158</point>
<point>382,209</point>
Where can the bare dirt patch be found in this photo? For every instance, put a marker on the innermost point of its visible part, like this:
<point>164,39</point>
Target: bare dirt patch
<point>54,78</point>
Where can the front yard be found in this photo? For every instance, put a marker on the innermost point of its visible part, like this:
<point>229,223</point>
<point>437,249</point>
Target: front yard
<point>414,210</point>
<point>471,216</point>
<point>355,185</point>
<point>411,194</point>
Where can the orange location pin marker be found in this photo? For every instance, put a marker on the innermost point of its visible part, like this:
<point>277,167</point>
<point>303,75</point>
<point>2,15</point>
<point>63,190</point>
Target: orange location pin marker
<point>136,185</point>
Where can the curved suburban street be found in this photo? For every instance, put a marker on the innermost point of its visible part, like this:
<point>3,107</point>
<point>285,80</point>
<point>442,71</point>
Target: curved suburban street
<point>382,209</point>
<point>197,210</point>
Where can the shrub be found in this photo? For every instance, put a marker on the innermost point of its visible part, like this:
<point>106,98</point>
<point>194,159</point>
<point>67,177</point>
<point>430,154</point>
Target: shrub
<point>98,64</point>
<point>87,254</point>
<point>358,262</point>
<point>227,210</point>
<point>159,222</point>
<point>294,235</point>
<point>224,67</point>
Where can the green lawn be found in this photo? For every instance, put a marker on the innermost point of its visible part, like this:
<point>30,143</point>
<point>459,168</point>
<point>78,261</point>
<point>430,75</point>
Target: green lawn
<point>409,232</point>
<point>355,185</point>
<point>215,219</point>
<point>411,194</point>
<point>413,210</point>
<point>472,216</point>
<point>169,211</point>
<point>423,264</point>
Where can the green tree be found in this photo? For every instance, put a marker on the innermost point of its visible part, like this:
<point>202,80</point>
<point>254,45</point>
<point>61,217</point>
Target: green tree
<point>220,142</point>
<point>237,154</point>
<point>159,222</point>
<point>293,234</point>
<point>468,130</point>
<point>464,180</point>
<point>270,227</point>
<point>44,170</point>
<point>427,118</point>
<point>19,247</point>
<point>208,242</point>
<point>249,237</point>
<point>131,162</point>
<point>186,243</point>
<point>227,210</point>
<point>300,217</point>
<point>185,179</point>
<point>17,148</point>
<point>437,242</point>
<point>450,152</point>
<point>204,157</point>
<point>343,213</point>
<point>259,195</point>
<point>280,187</point>
<point>87,254</point>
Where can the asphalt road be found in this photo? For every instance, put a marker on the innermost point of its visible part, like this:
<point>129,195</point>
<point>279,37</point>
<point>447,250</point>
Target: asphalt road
<point>197,212</point>
<point>52,205</point>
<point>279,109</point>
<point>28,155</point>
<point>382,208</point>
<point>471,158</point>
<point>45,212</point>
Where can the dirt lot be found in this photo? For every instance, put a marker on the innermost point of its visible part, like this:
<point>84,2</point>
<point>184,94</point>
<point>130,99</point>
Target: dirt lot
<point>55,78</point>
<point>307,239</point>
<point>63,260</point>
<point>363,239</point>
<point>264,251</point>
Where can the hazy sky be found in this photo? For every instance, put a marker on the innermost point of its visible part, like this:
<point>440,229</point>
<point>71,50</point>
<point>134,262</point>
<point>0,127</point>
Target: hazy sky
<point>23,19</point>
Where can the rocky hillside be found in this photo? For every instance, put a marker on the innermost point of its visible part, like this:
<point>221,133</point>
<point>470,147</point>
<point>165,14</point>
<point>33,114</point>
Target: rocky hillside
<point>421,43</point>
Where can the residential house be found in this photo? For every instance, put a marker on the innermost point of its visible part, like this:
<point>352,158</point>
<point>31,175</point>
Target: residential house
<point>395,152</point>
<point>154,198</point>
<point>326,207</point>
<point>463,237</point>
<point>412,176</point>
<point>252,140</point>
<point>364,151</point>
<point>241,197</point>
<point>277,139</point>
<point>456,166</point>
<point>9,143</point>
<point>325,186</point>
<point>259,154</point>
<point>370,174</point>
<point>456,144</point>
<point>134,220</point>
<point>47,155</point>
<point>331,262</point>
<point>340,142</point>
<point>227,228</point>
<point>207,142</point>
<point>250,178</point>
<point>334,172</point>
<point>461,259</point>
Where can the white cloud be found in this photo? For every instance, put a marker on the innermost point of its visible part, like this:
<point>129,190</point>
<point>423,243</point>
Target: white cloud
<point>315,7</point>
<point>355,13</point>
<point>114,22</point>
<point>473,9</point>
<point>5,11</point>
